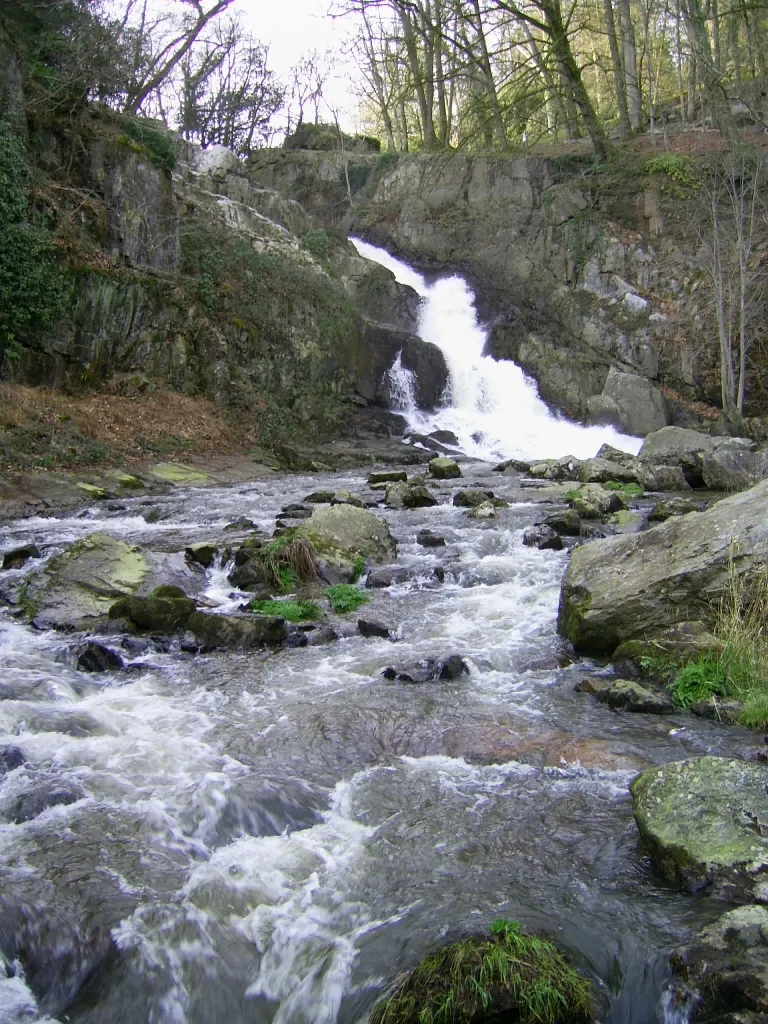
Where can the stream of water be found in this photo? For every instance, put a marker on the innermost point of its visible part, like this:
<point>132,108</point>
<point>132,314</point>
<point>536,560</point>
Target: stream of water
<point>273,837</point>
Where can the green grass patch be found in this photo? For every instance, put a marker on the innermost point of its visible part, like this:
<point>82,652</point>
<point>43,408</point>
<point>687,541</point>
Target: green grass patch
<point>630,489</point>
<point>345,598</point>
<point>293,611</point>
<point>740,670</point>
<point>358,568</point>
<point>508,975</point>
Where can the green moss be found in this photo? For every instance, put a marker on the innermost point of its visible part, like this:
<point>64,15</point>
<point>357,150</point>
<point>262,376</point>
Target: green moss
<point>682,177</point>
<point>293,611</point>
<point>92,491</point>
<point>358,568</point>
<point>148,137</point>
<point>345,598</point>
<point>630,489</point>
<point>508,975</point>
<point>178,474</point>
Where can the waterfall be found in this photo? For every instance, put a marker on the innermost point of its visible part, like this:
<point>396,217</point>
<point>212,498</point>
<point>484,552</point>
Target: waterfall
<point>493,408</point>
<point>402,387</point>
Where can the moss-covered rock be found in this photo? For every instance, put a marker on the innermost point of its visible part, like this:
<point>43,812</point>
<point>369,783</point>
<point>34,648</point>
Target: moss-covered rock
<point>343,535</point>
<point>443,468</point>
<point>92,491</point>
<point>704,820</point>
<point>387,476</point>
<point>593,501</point>
<point>179,475</point>
<point>413,494</point>
<point>234,632</point>
<point>506,976</point>
<point>627,695</point>
<point>85,580</point>
<point>164,615</point>
<point>203,553</point>
<point>472,498</point>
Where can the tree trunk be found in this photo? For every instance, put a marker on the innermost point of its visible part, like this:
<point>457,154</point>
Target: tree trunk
<point>499,129</point>
<point>711,78</point>
<point>634,99</point>
<point>625,127</point>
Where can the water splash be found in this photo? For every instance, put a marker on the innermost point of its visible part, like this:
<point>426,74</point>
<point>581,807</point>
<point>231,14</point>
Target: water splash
<point>402,387</point>
<point>494,409</point>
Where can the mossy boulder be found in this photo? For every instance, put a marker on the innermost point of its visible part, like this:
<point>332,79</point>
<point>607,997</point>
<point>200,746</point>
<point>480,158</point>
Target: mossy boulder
<point>202,553</point>
<point>594,502</point>
<point>413,494</point>
<point>239,633</point>
<point>472,498</point>
<point>508,975</point>
<point>387,476</point>
<point>638,585</point>
<point>178,475</point>
<point>92,491</point>
<point>625,521</point>
<point>444,468</point>
<point>85,580</point>
<point>704,821</point>
<point>685,641</point>
<point>128,481</point>
<point>155,614</point>
<point>342,535</point>
<point>627,695</point>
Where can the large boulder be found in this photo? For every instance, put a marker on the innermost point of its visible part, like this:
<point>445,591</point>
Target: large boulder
<point>629,402</point>
<point>427,363</point>
<point>676,446</point>
<point>733,468</point>
<point>413,494</point>
<point>85,580</point>
<point>234,632</point>
<point>636,585</point>
<point>443,468</point>
<point>594,501</point>
<point>704,821</point>
<point>343,534</point>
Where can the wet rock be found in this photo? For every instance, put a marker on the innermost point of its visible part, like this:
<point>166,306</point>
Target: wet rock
<point>428,539</point>
<point>595,502</point>
<point>626,521</point>
<point>250,576</point>
<point>638,585</point>
<point>368,628</point>
<point>601,471</point>
<point>611,454</point>
<point>348,498</point>
<point>319,498</point>
<point>471,498</point>
<point>203,553</point>
<point>445,437</point>
<point>239,525</point>
<point>93,657</point>
<point>567,468</point>
<point>566,522</point>
<point>725,966</point>
<point>18,557</point>
<point>155,514</point>
<point>387,576</point>
<point>444,469</point>
<point>717,710</point>
<point>154,614</point>
<point>427,363</point>
<point>704,820</point>
<point>232,632</point>
<point>388,476</point>
<point>429,670</point>
<point>543,537</point>
<point>85,580</point>
<point>11,758</point>
<point>664,510</point>
<point>41,797</point>
<point>428,442</point>
<point>513,466</point>
<point>627,695</point>
<point>486,509</point>
<point>321,635</point>
<point>296,637</point>
<point>412,494</point>
<point>343,534</point>
<point>684,641</point>
<point>593,685</point>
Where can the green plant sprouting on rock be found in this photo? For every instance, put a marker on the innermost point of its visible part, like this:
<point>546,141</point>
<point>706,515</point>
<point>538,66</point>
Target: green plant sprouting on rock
<point>345,598</point>
<point>486,978</point>
<point>684,176</point>
<point>151,138</point>
<point>630,489</point>
<point>289,560</point>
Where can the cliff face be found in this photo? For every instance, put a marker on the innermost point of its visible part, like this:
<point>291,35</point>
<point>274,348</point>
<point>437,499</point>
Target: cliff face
<point>201,281</point>
<point>587,296</point>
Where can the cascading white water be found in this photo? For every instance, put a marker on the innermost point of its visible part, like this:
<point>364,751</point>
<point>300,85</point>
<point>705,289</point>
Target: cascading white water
<point>491,406</point>
<point>402,387</point>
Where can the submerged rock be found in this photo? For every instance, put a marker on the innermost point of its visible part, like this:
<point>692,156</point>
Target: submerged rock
<point>638,585</point>
<point>705,821</point>
<point>429,670</point>
<point>543,537</point>
<point>387,576</point>
<point>472,498</point>
<point>444,469</point>
<point>18,557</point>
<point>627,695</point>
<point>388,476</point>
<point>428,539</point>
<point>367,628</point>
<point>93,657</point>
<point>47,794</point>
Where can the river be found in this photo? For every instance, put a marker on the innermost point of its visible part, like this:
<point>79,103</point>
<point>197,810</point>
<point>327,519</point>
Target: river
<point>273,837</point>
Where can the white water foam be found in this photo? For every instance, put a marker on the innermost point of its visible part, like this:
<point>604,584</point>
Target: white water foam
<point>491,406</point>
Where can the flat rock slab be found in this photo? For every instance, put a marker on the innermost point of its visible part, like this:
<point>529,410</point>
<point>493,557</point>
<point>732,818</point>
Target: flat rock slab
<point>706,824</point>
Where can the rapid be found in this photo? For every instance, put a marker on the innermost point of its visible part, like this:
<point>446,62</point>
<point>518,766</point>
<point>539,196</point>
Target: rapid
<point>273,837</point>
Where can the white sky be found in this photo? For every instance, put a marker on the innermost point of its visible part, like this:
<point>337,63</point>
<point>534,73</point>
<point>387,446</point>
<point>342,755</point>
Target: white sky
<point>292,28</point>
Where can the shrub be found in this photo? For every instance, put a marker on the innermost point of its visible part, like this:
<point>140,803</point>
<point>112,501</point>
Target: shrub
<point>293,611</point>
<point>630,489</point>
<point>32,284</point>
<point>153,139</point>
<point>345,598</point>
<point>508,975</point>
<point>289,560</point>
<point>317,243</point>
<point>680,169</point>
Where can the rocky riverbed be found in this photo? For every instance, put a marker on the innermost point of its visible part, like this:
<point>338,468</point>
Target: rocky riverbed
<point>201,818</point>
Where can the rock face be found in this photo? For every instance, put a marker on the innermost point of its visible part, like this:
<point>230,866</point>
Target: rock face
<point>427,362</point>
<point>688,449</point>
<point>637,585</point>
<point>341,534</point>
<point>86,580</point>
<point>703,820</point>
<point>629,402</point>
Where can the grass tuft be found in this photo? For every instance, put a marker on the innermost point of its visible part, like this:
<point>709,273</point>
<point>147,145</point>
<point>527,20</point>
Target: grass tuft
<point>293,611</point>
<point>630,489</point>
<point>345,597</point>
<point>509,974</point>
<point>288,561</point>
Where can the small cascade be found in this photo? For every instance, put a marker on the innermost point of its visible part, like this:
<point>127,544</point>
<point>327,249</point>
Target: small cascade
<point>402,387</point>
<point>492,407</point>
